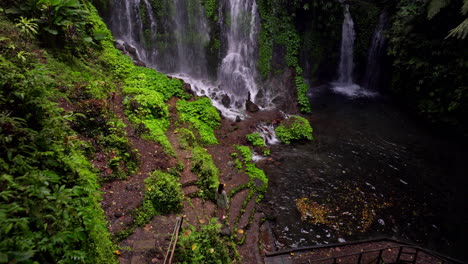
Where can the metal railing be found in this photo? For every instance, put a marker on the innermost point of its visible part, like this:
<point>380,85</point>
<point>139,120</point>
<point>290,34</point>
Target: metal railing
<point>403,252</point>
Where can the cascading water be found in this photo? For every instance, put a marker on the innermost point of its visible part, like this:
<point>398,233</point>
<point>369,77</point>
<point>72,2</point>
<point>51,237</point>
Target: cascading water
<point>375,54</point>
<point>191,37</point>
<point>178,47</point>
<point>346,66</point>
<point>127,25</point>
<point>238,68</point>
<point>345,84</point>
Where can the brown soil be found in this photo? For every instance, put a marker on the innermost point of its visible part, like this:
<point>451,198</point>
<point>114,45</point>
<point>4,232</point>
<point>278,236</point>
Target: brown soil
<point>148,244</point>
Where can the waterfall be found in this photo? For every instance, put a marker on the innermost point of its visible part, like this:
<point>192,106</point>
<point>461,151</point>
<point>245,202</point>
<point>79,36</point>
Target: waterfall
<point>192,35</point>
<point>238,68</point>
<point>345,84</point>
<point>173,39</point>
<point>346,66</point>
<point>375,54</point>
<point>127,25</point>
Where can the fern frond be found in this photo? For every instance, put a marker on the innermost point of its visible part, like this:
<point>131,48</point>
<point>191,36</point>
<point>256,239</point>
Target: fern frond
<point>435,6</point>
<point>461,31</point>
<point>464,9</point>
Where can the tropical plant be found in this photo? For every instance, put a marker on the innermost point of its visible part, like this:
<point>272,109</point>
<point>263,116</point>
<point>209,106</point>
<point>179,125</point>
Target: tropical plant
<point>27,26</point>
<point>460,31</point>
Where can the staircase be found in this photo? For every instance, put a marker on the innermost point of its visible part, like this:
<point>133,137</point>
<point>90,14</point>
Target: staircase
<point>378,251</point>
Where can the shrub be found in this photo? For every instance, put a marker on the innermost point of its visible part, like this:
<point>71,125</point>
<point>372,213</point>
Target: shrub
<point>208,174</point>
<point>256,140</point>
<point>203,246</point>
<point>294,128</point>
<point>164,191</point>
<point>203,116</point>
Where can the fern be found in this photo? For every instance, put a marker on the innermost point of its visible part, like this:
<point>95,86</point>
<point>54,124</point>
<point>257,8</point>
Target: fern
<point>435,6</point>
<point>461,31</point>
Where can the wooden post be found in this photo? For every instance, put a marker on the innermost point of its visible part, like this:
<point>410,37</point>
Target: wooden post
<point>379,258</point>
<point>416,255</point>
<point>399,253</point>
<point>176,238</point>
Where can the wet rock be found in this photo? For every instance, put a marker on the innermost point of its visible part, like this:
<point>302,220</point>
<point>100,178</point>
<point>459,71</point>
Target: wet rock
<point>251,107</point>
<point>238,119</point>
<point>119,46</point>
<point>132,51</point>
<point>226,101</point>
<point>139,63</point>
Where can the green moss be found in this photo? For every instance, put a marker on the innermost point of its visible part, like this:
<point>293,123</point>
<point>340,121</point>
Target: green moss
<point>294,128</point>
<point>202,116</point>
<point>258,180</point>
<point>208,175</point>
<point>211,8</point>
<point>256,140</point>
<point>164,191</point>
<point>187,139</point>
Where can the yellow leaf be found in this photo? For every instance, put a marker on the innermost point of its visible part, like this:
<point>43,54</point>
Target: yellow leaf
<point>211,250</point>
<point>292,253</point>
<point>240,231</point>
<point>194,246</point>
<point>117,252</point>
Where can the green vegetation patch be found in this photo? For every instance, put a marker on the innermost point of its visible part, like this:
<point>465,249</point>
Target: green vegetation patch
<point>258,179</point>
<point>294,128</point>
<point>255,139</point>
<point>208,175</point>
<point>203,245</point>
<point>203,116</point>
<point>164,191</point>
<point>146,105</point>
<point>49,202</point>
<point>142,80</point>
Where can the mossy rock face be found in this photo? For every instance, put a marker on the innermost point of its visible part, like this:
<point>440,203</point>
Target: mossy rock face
<point>294,128</point>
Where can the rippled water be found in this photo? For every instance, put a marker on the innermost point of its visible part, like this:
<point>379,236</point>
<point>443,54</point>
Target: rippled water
<point>373,171</point>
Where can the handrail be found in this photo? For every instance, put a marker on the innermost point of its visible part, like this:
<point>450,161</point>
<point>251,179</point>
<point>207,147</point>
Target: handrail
<point>173,243</point>
<point>402,244</point>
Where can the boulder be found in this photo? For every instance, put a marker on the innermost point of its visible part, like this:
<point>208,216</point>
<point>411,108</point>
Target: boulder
<point>251,107</point>
<point>226,101</point>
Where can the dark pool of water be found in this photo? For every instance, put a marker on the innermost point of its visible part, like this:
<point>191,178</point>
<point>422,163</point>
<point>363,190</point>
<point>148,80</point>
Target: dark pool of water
<point>377,172</point>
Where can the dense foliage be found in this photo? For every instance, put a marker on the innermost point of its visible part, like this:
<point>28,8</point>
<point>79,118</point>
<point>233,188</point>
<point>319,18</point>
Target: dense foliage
<point>256,140</point>
<point>49,210</point>
<point>203,245</point>
<point>208,175</point>
<point>203,116</point>
<point>164,191</point>
<point>294,128</point>
<point>429,68</point>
